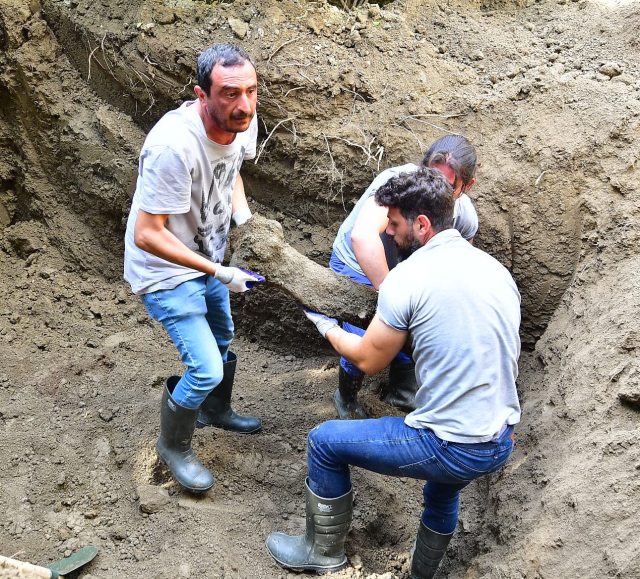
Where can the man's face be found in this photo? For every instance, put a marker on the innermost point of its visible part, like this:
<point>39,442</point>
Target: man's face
<point>232,100</point>
<point>401,232</point>
<point>450,175</point>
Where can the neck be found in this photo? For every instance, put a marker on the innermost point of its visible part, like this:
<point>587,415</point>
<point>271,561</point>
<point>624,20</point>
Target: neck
<point>214,132</point>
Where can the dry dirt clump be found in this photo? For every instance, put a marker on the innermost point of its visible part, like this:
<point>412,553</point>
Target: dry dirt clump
<point>550,94</point>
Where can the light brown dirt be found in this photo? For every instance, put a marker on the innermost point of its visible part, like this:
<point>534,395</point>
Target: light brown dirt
<point>550,94</point>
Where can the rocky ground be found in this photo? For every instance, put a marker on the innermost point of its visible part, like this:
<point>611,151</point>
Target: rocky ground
<point>550,94</point>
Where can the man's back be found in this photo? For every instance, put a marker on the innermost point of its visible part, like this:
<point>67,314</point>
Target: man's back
<point>462,309</point>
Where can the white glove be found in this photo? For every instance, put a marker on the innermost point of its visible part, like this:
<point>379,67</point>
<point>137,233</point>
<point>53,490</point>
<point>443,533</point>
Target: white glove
<point>242,216</point>
<point>236,279</point>
<point>323,323</point>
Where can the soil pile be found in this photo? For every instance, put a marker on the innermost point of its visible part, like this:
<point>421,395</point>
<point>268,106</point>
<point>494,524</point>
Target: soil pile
<point>550,94</point>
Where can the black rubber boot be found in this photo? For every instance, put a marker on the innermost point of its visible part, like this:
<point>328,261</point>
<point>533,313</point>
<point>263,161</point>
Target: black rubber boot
<point>177,424</point>
<point>429,550</point>
<point>401,390</point>
<point>216,409</point>
<point>321,548</point>
<point>346,396</point>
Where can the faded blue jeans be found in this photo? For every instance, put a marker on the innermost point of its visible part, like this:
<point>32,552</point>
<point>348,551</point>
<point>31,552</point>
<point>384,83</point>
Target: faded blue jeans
<point>197,317</point>
<point>388,446</point>
<point>336,265</point>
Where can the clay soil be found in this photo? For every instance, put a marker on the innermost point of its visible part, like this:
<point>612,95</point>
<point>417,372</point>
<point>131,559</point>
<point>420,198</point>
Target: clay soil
<point>550,94</point>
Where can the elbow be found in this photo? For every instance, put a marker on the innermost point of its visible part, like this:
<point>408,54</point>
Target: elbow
<point>369,368</point>
<point>141,239</point>
<point>358,241</point>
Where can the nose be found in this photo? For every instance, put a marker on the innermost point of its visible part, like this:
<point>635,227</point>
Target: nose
<point>244,103</point>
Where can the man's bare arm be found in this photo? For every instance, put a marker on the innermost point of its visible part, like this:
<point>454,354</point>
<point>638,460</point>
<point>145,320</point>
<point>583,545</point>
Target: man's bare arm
<point>239,207</point>
<point>151,235</point>
<point>371,352</point>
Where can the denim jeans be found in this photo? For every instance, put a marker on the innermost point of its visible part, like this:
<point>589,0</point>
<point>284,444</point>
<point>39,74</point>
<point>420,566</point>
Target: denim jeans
<point>197,317</point>
<point>336,265</point>
<point>388,446</point>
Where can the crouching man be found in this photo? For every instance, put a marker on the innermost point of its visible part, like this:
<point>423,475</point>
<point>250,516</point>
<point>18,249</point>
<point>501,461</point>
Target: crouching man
<point>461,309</point>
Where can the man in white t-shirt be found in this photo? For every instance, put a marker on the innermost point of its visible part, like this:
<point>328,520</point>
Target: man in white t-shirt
<point>188,190</point>
<point>461,310</point>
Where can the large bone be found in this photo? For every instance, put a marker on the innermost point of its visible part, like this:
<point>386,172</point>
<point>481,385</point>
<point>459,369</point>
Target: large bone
<point>259,246</point>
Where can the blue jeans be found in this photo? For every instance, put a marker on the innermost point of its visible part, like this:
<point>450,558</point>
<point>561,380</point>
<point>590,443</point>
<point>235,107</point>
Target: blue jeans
<point>388,446</point>
<point>197,317</point>
<point>336,265</point>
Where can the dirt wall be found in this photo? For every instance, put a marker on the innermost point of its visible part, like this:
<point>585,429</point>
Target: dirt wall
<point>549,93</point>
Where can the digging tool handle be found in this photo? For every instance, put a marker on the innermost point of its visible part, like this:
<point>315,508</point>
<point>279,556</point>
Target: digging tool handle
<point>6,562</point>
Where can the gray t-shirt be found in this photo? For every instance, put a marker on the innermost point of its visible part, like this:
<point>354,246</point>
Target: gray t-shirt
<point>191,178</point>
<point>465,219</point>
<point>462,310</point>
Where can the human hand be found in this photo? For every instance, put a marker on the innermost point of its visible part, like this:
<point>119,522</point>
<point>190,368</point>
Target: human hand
<point>236,279</point>
<point>323,323</point>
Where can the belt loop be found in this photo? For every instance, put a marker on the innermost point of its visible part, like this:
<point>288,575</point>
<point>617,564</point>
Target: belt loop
<point>445,443</point>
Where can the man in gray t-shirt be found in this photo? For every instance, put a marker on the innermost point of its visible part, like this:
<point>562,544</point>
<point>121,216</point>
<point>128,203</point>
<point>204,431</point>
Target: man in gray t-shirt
<point>188,191</point>
<point>363,251</point>
<point>461,310</point>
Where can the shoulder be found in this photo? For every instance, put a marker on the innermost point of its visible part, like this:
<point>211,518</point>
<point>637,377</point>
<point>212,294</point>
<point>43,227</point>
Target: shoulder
<point>465,217</point>
<point>174,130</point>
<point>388,174</point>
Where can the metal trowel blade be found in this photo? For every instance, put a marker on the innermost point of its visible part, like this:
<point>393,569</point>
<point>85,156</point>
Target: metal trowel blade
<point>75,561</point>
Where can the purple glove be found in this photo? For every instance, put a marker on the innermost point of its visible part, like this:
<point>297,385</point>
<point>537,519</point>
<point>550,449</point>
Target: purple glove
<point>236,279</point>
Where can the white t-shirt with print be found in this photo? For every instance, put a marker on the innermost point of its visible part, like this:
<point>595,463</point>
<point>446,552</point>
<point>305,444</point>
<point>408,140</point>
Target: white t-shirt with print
<point>191,178</point>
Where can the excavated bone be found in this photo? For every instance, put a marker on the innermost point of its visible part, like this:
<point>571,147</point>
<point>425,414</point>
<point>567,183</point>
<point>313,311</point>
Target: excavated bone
<point>259,246</point>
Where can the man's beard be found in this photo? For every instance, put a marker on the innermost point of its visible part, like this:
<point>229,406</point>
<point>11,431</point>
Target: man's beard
<point>408,246</point>
<point>222,122</point>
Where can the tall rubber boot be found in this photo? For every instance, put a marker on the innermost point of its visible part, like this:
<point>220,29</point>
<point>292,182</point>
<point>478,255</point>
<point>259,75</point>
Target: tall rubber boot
<point>429,550</point>
<point>346,397</point>
<point>401,390</point>
<point>216,409</point>
<point>321,548</point>
<point>177,424</point>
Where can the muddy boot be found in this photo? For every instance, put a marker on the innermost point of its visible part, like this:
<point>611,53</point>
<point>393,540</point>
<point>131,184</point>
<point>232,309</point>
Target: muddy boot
<point>401,390</point>
<point>177,424</point>
<point>216,409</point>
<point>429,550</point>
<point>346,396</point>
<point>321,548</point>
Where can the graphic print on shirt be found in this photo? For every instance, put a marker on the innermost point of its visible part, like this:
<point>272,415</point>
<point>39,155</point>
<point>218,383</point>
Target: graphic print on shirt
<point>215,211</point>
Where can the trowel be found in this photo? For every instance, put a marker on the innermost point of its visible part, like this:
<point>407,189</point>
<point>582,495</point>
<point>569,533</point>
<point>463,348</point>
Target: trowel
<point>55,570</point>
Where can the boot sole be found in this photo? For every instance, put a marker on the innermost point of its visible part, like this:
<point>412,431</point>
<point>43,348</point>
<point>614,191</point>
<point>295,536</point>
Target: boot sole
<point>318,569</point>
<point>197,491</point>
<point>204,425</point>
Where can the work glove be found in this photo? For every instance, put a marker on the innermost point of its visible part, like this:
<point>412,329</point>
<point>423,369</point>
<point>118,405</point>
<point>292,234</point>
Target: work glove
<point>236,279</point>
<point>242,216</point>
<point>323,323</point>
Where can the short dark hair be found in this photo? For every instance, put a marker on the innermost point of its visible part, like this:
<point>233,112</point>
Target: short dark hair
<point>223,54</point>
<point>425,191</point>
<point>456,152</point>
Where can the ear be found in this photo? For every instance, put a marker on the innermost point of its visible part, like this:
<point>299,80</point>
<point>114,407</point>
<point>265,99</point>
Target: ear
<point>200,93</point>
<point>424,232</point>
<point>468,185</point>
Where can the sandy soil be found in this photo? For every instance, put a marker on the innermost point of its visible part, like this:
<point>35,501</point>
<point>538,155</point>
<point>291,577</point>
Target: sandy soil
<point>550,94</point>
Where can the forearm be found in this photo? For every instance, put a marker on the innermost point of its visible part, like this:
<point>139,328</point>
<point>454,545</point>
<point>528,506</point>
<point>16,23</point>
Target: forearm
<point>166,245</point>
<point>349,346</point>
<point>372,259</point>
<point>240,211</point>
